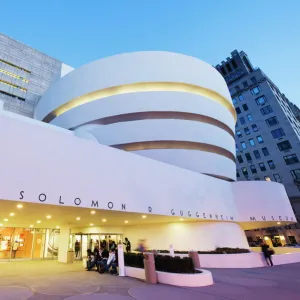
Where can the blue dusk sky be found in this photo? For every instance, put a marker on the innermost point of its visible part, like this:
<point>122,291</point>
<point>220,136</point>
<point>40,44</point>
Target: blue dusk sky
<point>77,32</point>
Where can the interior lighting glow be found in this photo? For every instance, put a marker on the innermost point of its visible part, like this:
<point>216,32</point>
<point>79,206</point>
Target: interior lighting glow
<point>31,226</point>
<point>12,214</point>
<point>266,238</point>
<point>91,224</point>
<point>142,87</point>
<point>278,223</point>
<point>5,220</point>
<point>78,218</point>
<point>39,222</point>
<point>93,212</point>
<point>126,221</point>
<point>103,220</point>
<point>144,217</point>
<point>48,217</point>
<point>13,75</point>
<point>19,206</point>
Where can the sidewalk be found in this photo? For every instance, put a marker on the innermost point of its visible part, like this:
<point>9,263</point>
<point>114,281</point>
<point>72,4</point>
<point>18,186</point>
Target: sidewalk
<point>49,280</point>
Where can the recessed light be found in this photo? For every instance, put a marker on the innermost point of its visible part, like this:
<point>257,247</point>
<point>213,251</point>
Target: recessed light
<point>31,226</point>
<point>181,220</point>
<point>278,223</point>
<point>57,227</point>
<point>1,225</point>
<point>93,212</point>
<point>91,224</point>
<point>126,221</point>
<point>12,214</point>
<point>78,218</point>
<point>19,206</point>
<point>103,220</point>
<point>38,221</point>
<point>144,217</point>
<point>5,220</point>
<point>48,217</point>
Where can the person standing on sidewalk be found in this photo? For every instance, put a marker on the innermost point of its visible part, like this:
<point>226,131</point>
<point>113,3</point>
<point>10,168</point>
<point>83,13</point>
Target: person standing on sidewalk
<point>268,252</point>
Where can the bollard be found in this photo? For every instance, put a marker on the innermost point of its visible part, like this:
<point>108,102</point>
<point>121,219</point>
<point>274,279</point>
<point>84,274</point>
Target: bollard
<point>121,260</point>
<point>150,271</point>
<point>195,257</point>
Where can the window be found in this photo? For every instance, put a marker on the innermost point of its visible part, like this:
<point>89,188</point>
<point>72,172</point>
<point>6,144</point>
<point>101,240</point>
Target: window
<point>245,107</point>
<point>251,142</point>
<point>248,156</point>
<point>233,100</point>
<point>245,84</point>
<point>256,90</point>
<point>243,145</point>
<point>271,164</point>
<point>250,118</point>
<point>242,120</point>
<point>254,127</point>
<point>236,148</point>
<point>266,110</point>
<point>253,80</point>
<point>241,97</point>
<point>296,173</point>
<point>239,134</point>
<point>291,159</point>
<point>238,110</point>
<point>277,177</point>
<point>256,154</point>
<point>267,178</point>
<point>239,158</point>
<point>245,171</point>
<point>253,169</point>
<point>237,88</point>
<point>265,151</point>
<point>247,131</point>
<point>261,100</point>
<point>260,139</point>
<point>272,121</point>
<point>286,145</point>
<point>278,133</point>
<point>262,166</point>
<point>237,173</point>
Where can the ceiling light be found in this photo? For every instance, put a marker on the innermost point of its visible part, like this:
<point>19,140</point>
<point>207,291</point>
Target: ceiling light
<point>278,223</point>
<point>103,220</point>
<point>78,218</point>
<point>181,219</point>
<point>19,206</point>
<point>1,225</point>
<point>144,217</point>
<point>38,221</point>
<point>57,227</point>
<point>126,221</point>
<point>93,212</point>
<point>5,220</point>
<point>31,226</point>
<point>12,214</point>
<point>91,224</point>
<point>48,217</point>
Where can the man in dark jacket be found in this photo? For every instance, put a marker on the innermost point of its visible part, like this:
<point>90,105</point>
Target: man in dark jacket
<point>267,253</point>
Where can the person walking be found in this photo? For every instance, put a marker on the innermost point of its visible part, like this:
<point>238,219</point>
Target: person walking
<point>268,252</point>
<point>77,248</point>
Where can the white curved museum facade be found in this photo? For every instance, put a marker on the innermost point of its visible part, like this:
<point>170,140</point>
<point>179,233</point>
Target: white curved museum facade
<point>143,139</point>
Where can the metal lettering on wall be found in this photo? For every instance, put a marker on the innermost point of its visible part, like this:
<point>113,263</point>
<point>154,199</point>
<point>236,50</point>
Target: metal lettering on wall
<point>42,198</point>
